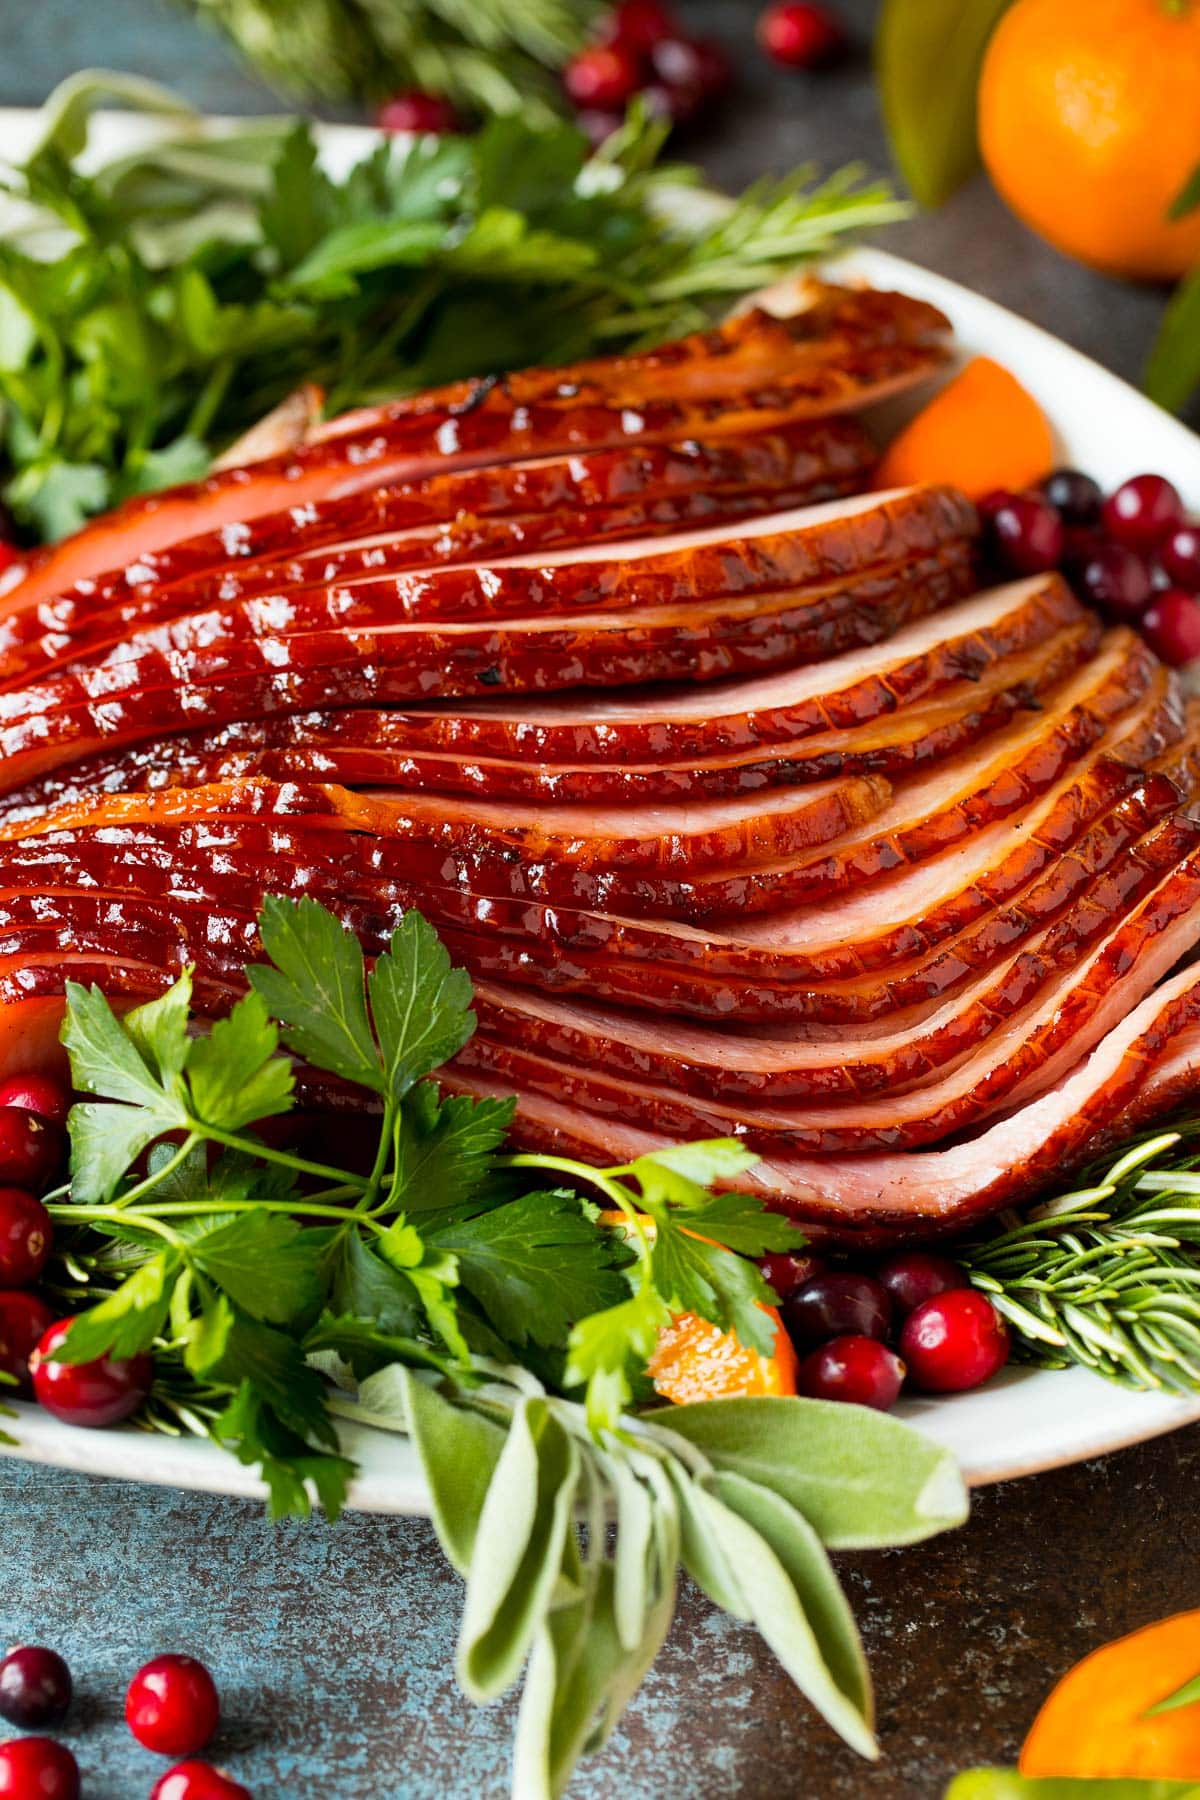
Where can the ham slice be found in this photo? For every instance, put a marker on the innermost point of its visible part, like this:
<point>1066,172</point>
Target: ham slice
<point>860,348</point>
<point>1017,1061</point>
<point>875,1198</point>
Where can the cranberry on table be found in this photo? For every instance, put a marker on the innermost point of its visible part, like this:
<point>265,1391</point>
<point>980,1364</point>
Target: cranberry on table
<point>786,1270</point>
<point>92,1394</point>
<point>697,65</point>
<point>197,1781</point>
<point>1075,496</point>
<point>838,1303</point>
<point>431,115</point>
<point>1143,511</point>
<point>1172,626</point>
<point>1027,534</point>
<point>38,1094</point>
<point>801,36</point>
<point>603,77</point>
<point>172,1705</point>
<point>25,1319</point>
<point>36,1768</point>
<point>913,1276</point>
<point>859,1370</point>
<point>639,25</point>
<point>1117,580</point>
<point>35,1687</point>
<point>26,1237</point>
<point>953,1342</point>
<point>1181,557</point>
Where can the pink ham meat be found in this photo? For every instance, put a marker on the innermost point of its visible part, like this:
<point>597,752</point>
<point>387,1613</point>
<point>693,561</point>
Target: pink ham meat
<point>461,517</point>
<point>975,664</point>
<point>850,349</point>
<point>1017,1060</point>
<point>914,1195</point>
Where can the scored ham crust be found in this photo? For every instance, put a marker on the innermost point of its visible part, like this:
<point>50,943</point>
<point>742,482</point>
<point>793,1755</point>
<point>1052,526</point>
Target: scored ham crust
<point>750,811</point>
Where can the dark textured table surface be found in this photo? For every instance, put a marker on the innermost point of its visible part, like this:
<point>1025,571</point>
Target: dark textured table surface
<point>334,1646</point>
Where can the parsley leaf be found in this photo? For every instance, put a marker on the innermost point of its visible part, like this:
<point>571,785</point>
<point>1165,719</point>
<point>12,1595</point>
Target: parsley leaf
<point>263,1261</point>
<point>535,1266</point>
<point>317,985</point>
<point>444,1147</point>
<point>420,1004</point>
<point>234,1074</point>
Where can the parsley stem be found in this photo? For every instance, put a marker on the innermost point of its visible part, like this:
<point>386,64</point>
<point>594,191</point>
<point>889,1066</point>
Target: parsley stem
<point>250,1147</point>
<point>198,1209</point>
<point>598,1178</point>
<point>152,1181</point>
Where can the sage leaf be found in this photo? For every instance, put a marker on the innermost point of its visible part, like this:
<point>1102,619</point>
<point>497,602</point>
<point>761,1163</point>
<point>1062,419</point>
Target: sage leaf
<point>862,1480</point>
<point>1007,1784</point>
<point>634,1544</point>
<point>772,1602</point>
<point>928,57</point>
<point>518,1553</point>
<point>459,1452</point>
<point>702,1550</point>
<point>826,1608</point>
<point>1173,371</point>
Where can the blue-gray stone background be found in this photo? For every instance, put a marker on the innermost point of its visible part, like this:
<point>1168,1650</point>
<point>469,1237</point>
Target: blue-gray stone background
<point>334,1645</point>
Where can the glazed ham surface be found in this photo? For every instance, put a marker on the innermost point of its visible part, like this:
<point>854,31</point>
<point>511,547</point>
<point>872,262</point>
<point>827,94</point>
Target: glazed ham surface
<point>752,808</point>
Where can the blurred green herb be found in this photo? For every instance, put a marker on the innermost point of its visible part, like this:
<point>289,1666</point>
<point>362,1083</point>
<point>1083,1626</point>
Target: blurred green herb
<point>152,310</point>
<point>489,56</point>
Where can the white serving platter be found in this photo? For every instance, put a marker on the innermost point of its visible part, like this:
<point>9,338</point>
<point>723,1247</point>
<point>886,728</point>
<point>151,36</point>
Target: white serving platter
<point>1025,1421</point>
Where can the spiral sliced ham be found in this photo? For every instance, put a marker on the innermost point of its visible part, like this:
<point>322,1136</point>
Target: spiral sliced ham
<point>750,816</point>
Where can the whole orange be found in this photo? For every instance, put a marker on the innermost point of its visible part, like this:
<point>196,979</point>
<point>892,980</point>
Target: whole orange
<point>1089,123</point>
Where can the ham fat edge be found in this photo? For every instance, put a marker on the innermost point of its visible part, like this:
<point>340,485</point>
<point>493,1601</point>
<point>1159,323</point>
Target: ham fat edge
<point>752,806</point>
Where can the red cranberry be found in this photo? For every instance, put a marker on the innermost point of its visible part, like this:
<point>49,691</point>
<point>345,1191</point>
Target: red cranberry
<point>639,25</point>
<point>37,1094</point>
<point>197,1781</point>
<point>94,1393</point>
<point>26,1236</point>
<point>427,114</point>
<point>1181,557</point>
<point>32,1151</point>
<point>1027,534</point>
<point>35,1687</point>
<point>801,36</point>
<point>36,1768</point>
<point>954,1341</point>
<point>1172,626</point>
<point>172,1706</point>
<point>989,504</point>
<point>913,1276</point>
<point>1116,579</point>
<point>1075,496</point>
<point>835,1304</point>
<point>24,1320</point>
<point>786,1270</point>
<point>602,77</point>
<point>698,65</point>
<point>858,1369</point>
<point>1143,511</point>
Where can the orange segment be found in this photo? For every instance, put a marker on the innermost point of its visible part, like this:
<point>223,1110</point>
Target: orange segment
<point>1094,1725</point>
<point>696,1361</point>
<point>982,431</point>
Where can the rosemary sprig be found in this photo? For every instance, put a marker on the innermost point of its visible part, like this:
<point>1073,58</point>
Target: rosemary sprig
<point>1108,1276</point>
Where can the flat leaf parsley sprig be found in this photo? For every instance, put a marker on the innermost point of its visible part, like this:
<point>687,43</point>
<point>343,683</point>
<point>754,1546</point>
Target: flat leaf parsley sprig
<point>239,1260</point>
<point>478,1301</point>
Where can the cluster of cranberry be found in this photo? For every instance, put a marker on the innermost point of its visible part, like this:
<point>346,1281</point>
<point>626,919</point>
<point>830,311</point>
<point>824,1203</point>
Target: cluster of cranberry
<point>1134,554</point>
<point>171,1707</point>
<point>859,1336</point>
<point>33,1111</point>
<point>641,49</point>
